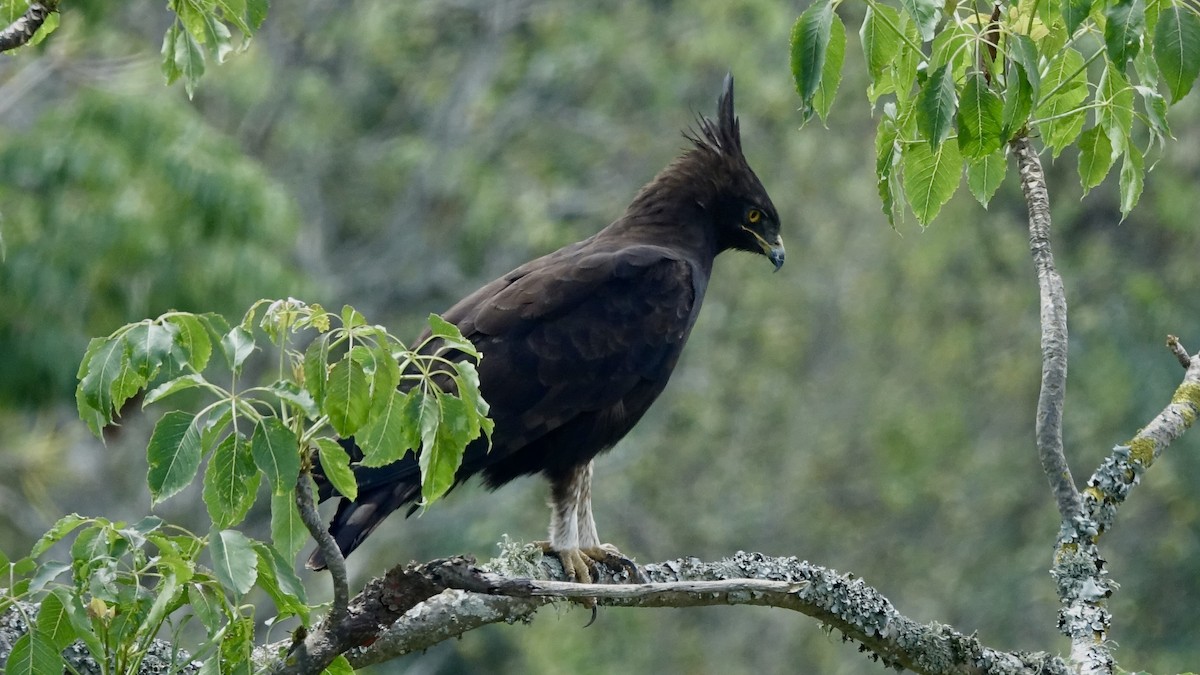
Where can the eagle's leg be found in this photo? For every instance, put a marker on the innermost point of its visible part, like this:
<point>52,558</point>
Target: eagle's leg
<point>573,537</point>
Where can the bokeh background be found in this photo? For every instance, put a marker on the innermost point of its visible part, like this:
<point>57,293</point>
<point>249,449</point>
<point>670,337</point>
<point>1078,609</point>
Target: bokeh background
<point>869,408</point>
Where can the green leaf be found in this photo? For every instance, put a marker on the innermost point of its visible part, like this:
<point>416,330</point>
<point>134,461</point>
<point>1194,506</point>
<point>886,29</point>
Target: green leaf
<point>64,526</point>
<point>926,13</point>
<point>1125,21</point>
<point>276,453</point>
<point>204,603</point>
<point>440,460</point>
<point>316,368</point>
<point>256,12</point>
<point>383,440</point>
<point>831,74</point>
<point>102,363</point>
<point>230,482</point>
<point>930,177</point>
<point>170,48</point>
<point>980,114</point>
<point>352,318</point>
<point>233,560</point>
<point>1075,12</point>
<point>347,397</point>
<point>886,157</point>
<point>384,379</point>
<point>289,592</point>
<point>936,107</point>
<point>339,666</point>
<point>985,174</point>
<point>880,43</point>
<point>287,530</point>
<point>47,572</point>
<point>451,336</point>
<point>193,339</point>
<point>467,381</point>
<point>150,346</point>
<point>237,345</point>
<point>1115,111</point>
<point>1018,102</point>
<point>173,454</point>
<point>53,620</point>
<point>335,464</point>
<point>172,386</point>
<point>1156,113</point>
<point>1095,157</point>
<point>187,61</point>
<point>33,654</point>
<point>1062,116</point>
<point>1025,54</point>
<point>1132,174</point>
<point>1177,49</point>
<point>810,42</point>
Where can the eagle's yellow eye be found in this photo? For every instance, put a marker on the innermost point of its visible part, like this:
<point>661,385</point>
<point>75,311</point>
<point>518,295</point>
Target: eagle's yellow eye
<point>753,216</point>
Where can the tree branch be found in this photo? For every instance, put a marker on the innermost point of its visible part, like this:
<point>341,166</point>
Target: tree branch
<point>1083,584</point>
<point>1054,331</point>
<point>513,587</point>
<point>23,29</point>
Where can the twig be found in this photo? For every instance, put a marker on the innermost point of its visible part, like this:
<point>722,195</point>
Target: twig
<point>24,28</point>
<point>328,547</point>
<point>1177,349</point>
<point>1054,332</point>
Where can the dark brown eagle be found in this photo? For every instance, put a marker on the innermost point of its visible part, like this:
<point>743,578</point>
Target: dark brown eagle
<point>578,343</point>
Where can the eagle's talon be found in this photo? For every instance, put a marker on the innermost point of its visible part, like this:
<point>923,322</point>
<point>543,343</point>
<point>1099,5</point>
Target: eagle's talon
<point>578,563</point>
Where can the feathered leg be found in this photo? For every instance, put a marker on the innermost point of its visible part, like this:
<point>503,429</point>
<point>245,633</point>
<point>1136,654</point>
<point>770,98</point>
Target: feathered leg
<point>573,537</point>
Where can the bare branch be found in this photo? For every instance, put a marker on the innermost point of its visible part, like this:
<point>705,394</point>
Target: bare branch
<point>334,559</point>
<point>1178,350</point>
<point>1083,584</point>
<point>480,597</point>
<point>1054,331</point>
<point>23,29</point>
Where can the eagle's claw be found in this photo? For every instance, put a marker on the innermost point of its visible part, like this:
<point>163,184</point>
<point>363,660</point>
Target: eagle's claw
<point>578,563</point>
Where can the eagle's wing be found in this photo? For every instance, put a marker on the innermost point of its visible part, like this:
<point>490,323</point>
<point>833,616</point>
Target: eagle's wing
<point>576,345</point>
<point>578,335</point>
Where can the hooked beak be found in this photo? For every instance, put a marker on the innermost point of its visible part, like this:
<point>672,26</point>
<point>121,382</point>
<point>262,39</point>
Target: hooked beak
<point>774,252</point>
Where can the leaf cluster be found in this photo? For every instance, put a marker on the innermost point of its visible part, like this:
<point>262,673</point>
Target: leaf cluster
<point>122,584</point>
<point>201,31</point>
<point>353,379</point>
<point>957,84</point>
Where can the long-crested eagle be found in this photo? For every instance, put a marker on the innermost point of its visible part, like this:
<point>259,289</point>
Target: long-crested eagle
<point>578,343</point>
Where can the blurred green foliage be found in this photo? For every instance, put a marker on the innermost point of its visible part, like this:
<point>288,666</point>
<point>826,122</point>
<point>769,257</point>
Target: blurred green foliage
<point>869,407</point>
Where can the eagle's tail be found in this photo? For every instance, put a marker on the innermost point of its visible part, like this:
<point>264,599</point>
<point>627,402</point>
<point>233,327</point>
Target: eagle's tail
<point>380,492</point>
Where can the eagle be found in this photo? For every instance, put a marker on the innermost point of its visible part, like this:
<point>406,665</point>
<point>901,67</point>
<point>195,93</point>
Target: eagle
<point>578,343</point>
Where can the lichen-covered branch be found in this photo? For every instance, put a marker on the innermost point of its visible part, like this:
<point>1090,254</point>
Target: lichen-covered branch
<point>23,29</point>
<point>513,587</point>
<point>1054,331</point>
<point>1083,584</point>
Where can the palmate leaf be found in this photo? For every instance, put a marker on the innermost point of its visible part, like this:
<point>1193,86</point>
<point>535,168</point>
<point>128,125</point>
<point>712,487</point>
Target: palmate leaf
<point>930,177</point>
<point>233,560</point>
<point>936,106</point>
<point>1061,112</point>
<point>1075,12</point>
<point>440,461</point>
<point>1115,112</point>
<point>1133,172</point>
<point>276,453</point>
<point>831,73</point>
<point>1125,21</point>
<point>926,13</point>
<point>1177,49</point>
<point>880,43</point>
<point>33,654</point>
<point>288,533</point>
<point>980,114</point>
<point>385,439</point>
<point>810,42</point>
<point>985,174</point>
<point>193,339</point>
<point>335,463</point>
<point>230,482</point>
<point>1095,157</point>
<point>173,454</point>
<point>347,397</point>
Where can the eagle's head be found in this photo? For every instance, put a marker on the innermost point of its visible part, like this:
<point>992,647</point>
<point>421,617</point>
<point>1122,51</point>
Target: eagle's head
<point>745,218</point>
